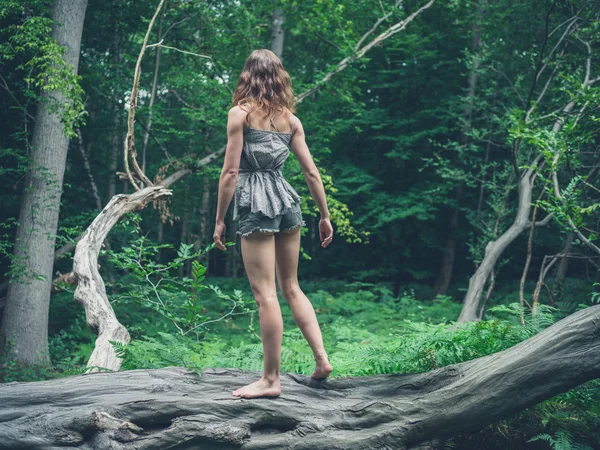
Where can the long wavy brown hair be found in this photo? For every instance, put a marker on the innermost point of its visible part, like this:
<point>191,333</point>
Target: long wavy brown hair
<point>265,84</point>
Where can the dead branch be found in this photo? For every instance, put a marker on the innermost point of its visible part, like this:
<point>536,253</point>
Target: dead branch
<point>90,291</point>
<point>129,150</point>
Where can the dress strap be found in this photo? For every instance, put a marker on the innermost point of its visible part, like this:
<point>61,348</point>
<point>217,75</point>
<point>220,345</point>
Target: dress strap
<point>273,123</point>
<point>293,130</point>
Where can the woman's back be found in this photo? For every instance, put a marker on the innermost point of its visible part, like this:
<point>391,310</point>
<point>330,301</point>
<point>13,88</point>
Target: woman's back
<point>282,122</point>
<point>261,185</point>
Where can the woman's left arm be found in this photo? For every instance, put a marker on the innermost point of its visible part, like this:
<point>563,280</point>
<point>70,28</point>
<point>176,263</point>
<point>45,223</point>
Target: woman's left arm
<point>229,173</point>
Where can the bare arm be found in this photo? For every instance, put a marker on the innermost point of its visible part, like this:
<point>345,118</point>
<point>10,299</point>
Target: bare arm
<point>229,173</point>
<point>313,180</point>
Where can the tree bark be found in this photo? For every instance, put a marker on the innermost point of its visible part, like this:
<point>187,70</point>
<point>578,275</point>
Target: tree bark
<point>116,140</point>
<point>442,283</point>
<point>153,92</point>
<point>185,238</point>
<point>203,214</point>
<point>85,152</point>
<point>563,266</point>
<point>278,34</point>
<point>177,408</point>
<point>24,330</point>
<point>494,249</point>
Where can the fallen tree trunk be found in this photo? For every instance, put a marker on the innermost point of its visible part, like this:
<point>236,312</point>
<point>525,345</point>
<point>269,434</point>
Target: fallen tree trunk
<point>178,409</point>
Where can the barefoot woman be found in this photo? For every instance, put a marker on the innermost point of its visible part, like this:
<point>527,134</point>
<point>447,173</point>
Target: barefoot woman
<point>261,131</point>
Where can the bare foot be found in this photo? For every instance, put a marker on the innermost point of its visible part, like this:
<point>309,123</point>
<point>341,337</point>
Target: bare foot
<point>322,370</point>
<point>261,388</point>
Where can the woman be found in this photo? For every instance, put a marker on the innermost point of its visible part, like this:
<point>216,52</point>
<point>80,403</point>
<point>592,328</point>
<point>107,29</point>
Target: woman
<point>268,208</point>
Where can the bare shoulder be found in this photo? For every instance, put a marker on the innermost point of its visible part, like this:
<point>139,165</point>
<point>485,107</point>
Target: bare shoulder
<point>237,112</point>
<point>236,116</point>
<point>296,123</point>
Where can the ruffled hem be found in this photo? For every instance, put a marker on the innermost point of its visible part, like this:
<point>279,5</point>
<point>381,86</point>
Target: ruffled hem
<point>263,230</point>
<point>284,211</point>
<point>275,200</point>
<point>301,224</point>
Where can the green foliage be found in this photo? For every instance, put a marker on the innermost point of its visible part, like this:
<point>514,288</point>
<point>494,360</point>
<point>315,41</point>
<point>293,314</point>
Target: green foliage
<point>162,350</point>
<point>158,287</point>
<point>13,370</point>
<point>562,441</point>
<point>43,60</point>
<point>361,346</point>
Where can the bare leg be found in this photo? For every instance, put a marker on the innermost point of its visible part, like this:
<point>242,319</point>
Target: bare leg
<point>258,254</point>
<point>287,250</point>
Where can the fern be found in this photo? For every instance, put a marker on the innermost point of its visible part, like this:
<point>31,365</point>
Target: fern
<point>160,351</point>
<point>562,441</point>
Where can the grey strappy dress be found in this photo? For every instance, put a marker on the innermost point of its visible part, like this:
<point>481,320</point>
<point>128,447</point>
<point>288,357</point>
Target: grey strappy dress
<point>261,189</point>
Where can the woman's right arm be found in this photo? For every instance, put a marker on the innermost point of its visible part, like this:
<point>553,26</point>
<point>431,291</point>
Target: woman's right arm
<point>313,180</point>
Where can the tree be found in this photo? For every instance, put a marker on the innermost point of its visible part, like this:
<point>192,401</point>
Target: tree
<point>24,329</point>
<point>541,132</point>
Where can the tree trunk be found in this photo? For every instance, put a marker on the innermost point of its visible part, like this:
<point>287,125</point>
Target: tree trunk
<point>153,92</point>
<point>236,255</point>
<point>445,276</point>
<point>85,151</point>
<point>277,34</point>
<point>24,330</point>
<point>177,408</point>
<point>204,212</point>
<point>114,151</point>
<point>116,138</point>
<point>563,265</point>
<point>494,249</point>
<point>183,270</point>
<point>160,237</point>
<point>447,266</point>
<point>90,291</point>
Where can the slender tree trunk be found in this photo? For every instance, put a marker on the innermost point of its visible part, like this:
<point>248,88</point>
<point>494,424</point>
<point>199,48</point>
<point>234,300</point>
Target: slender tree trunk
<point>114,151</point>
<point>160,237</point>
<point>204,211</point>
<point>85,152</point>
<point>153,93</point>
<point>227,273</point>
<point>278,33</point>
<point>116,140</point>
<point>24,331</point>
<point>445,276</point>
<point>204,235</point>
<point>447,265</point>
<point>494,250</point>
<point>236,257</point>
<point>563,266</point>
<point>184,228</point>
